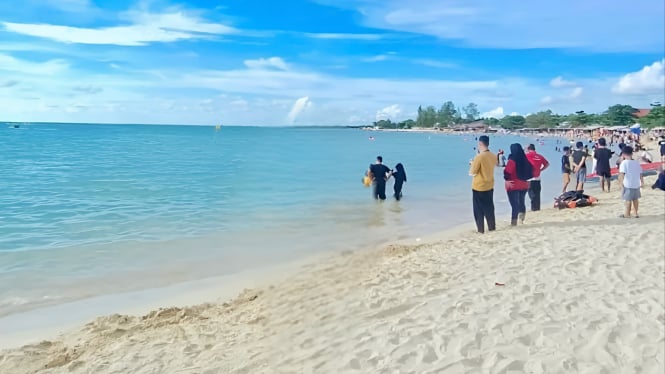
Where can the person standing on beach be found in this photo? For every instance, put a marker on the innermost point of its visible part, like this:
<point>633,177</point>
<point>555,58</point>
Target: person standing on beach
<point>661,143</point>
<point>630,174</point>
<point>579,166</point>
<point>603,156</point>
<point>539,164</point>
<point>482,186</point>
<point>566,168</point>
<point>399,174</point>
<point>517,172</point>
<point>379,174</point>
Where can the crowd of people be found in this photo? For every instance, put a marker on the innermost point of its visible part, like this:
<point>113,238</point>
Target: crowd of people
<point>521,174</point>
<point>522,171</point>
<point>522,177</point>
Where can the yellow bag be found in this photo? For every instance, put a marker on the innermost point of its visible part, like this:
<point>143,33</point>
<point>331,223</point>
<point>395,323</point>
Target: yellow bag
<point>367,181</point>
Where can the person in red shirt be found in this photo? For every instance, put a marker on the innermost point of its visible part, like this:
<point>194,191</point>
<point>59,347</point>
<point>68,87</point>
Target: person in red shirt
<point>539,164</point>
<point>517,172</point>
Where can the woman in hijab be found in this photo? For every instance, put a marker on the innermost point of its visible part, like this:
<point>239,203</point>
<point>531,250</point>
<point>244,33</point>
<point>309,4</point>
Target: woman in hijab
<point>400,177</point>
<point>517,172</point>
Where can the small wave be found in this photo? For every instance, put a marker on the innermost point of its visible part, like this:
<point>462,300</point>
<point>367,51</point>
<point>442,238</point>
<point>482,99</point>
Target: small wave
<point>111,180</point>
<point>13,301</point>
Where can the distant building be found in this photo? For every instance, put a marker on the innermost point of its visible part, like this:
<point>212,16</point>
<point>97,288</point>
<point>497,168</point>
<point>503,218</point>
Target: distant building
<point>477,126</point>
<point>642,113</point>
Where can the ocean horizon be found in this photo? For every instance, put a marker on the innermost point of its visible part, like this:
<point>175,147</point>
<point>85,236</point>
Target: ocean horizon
<point>98,209</point>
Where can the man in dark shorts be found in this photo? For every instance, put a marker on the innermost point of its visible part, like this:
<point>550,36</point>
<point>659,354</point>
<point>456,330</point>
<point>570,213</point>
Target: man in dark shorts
<point>661,143</point>
<point>603,156</point>
<point>579,165</point>
<point>566,168</point>
<point>380,174</point>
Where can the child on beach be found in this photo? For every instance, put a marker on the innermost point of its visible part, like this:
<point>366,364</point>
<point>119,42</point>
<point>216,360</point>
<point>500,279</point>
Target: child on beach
<point>630,174</point>
<point>400,177</point>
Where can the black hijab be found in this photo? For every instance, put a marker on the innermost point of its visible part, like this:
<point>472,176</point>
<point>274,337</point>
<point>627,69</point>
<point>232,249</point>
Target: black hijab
<point>400,170</point>
<point>522,164</point>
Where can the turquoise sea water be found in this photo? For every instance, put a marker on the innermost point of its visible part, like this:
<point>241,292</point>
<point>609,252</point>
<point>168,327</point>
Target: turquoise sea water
<point>88,210</point>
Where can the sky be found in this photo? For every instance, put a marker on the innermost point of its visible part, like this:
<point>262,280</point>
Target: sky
<point>323,62</point>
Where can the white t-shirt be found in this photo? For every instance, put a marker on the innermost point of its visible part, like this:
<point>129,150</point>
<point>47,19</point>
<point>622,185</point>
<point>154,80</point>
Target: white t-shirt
<point>632,171</point>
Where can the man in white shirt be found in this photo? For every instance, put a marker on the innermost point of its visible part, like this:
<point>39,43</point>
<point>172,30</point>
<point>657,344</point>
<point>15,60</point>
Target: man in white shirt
<point>631,178</point>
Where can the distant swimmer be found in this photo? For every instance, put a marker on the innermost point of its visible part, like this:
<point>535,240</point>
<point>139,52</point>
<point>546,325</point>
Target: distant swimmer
<point>371,138</point>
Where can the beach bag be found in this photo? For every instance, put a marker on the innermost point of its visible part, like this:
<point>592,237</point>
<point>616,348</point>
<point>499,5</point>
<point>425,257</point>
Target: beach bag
<point>573,199</point>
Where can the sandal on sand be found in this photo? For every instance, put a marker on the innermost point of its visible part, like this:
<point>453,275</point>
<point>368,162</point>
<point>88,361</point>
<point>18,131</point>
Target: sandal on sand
<point>637,216</point>
<point>623,216</point>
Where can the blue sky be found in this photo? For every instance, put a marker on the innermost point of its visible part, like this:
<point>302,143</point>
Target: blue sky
<point>326,62</point>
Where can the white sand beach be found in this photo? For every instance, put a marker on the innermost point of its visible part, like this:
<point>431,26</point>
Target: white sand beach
<point>571,291</point>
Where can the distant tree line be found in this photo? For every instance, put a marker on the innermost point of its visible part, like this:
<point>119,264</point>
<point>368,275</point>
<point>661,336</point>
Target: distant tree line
<point>450,115</point>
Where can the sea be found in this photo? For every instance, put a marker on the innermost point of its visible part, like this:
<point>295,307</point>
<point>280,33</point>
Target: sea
<point>89,210</point>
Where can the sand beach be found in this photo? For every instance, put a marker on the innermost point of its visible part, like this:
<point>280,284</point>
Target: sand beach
<point>571,291</point>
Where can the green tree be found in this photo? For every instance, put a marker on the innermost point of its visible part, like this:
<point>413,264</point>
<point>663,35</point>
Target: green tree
<point>384,124</point>
<point>655,118</point>
<point>471,112</point>
<point>541,120</point>
<point>427,117</point>
<point>581,119</point>
<point>620,115</point>
<point>512,122</point>
<point>448,114</point>
<point>420,119</point>
<point>492,122</point>
<point>409,123</point>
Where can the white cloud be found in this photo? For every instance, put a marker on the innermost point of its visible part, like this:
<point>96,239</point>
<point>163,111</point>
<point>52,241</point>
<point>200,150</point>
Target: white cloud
<point>572,96</point>
<point>514,113</point>
<point>266,63</point>
<point>518,24</point>
<point>51,67</point>
<point>576,92</point>
<point>649,80</point>
<point>143,28</point>
<point>494,113</point>
<point>559,82</point>
<point>89,89</point>
<point>389,113</point>
<point>435,63</point>
<point>264,96</point>
<point>376,58</point>
<point>341,36</point>
<point>298,107</point>
<point>547,100</point>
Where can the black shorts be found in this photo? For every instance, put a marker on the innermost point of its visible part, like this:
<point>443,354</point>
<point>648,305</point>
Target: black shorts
<point>604,174</point>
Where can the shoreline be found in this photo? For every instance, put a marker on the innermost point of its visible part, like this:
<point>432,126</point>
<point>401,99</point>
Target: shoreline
<point>542,296</point>
<point>52,320</point>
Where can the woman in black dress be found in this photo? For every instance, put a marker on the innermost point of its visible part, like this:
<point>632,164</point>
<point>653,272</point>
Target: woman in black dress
<point>400,177</point>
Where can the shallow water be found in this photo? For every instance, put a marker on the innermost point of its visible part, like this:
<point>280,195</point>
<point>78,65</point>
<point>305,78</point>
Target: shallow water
<point>87,210</point>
